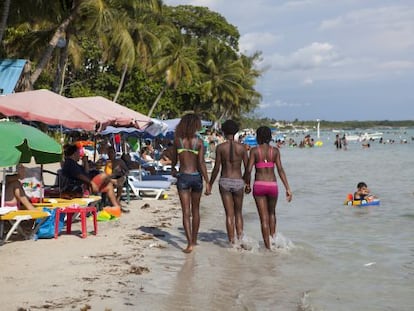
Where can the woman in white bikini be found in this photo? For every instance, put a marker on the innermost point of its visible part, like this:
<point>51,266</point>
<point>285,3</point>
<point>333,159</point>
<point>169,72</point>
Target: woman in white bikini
<point>230,155</point>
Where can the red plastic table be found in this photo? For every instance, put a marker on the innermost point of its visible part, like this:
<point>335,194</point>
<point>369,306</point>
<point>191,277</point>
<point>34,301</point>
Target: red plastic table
<point>69,211</point>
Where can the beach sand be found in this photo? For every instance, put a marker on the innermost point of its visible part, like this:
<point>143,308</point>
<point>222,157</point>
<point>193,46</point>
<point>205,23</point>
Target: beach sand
<point>99,272</point>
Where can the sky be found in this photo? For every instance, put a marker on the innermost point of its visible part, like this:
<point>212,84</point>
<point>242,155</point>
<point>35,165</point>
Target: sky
<point>335,60</point>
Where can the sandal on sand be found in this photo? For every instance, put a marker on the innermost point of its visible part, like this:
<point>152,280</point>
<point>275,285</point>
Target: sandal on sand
<point>124,210</point>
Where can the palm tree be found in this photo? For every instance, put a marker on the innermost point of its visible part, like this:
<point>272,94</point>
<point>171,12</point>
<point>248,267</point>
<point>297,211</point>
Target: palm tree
<point>4,17</point>
<point>178,63</point>
<point>103,19</point>
<point>137,46</point>
<point>222,73</point>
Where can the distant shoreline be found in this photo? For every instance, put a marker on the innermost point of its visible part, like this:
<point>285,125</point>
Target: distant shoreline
<point>325,124</point>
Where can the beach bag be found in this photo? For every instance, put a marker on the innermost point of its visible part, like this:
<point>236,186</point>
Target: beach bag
<point>47,228</point>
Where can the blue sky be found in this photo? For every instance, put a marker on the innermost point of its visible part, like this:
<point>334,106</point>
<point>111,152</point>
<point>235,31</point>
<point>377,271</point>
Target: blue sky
<point>328,59</point>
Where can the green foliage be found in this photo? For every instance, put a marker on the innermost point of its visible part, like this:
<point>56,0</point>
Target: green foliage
<point>197,47</point>
<point>201,23</point>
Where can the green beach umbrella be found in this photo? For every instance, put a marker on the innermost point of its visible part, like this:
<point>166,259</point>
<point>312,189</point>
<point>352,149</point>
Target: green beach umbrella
<point>19,143</point>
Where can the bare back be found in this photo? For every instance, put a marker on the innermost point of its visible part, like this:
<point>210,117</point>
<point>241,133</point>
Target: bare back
<point>189,153</point>
<point>231,155</point>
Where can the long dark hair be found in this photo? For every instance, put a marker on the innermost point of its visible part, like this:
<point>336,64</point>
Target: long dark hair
<point>263,135</point>
<point>188,126</point>
<point>230,127</point>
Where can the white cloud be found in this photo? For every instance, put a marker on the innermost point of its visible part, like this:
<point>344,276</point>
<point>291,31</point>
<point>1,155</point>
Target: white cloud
<point>308,81</point>
<point>378,30</point>
<point>313,56</point>
<point>258,41</point>
<point>207,3</point>
<point>278,103</point>
<point>397,65</point>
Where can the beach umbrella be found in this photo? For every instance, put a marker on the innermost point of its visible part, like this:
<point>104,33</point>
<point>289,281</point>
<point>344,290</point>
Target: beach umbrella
<point>19,143</point>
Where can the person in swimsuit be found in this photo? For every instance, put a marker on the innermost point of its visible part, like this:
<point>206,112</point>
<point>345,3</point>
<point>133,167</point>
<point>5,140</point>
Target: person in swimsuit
<point>189,152</point>
<point>15,194</point>
<point>363,193</point>
<point>265,190</point>
<point>229,157</point>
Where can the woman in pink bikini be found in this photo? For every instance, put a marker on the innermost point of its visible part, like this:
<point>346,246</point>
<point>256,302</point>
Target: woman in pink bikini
<point>265,191</point>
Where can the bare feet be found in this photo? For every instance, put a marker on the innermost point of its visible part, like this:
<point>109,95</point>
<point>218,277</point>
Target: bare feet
<point>188,250</point>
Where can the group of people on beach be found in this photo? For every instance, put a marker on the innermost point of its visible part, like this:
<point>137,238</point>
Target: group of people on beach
<point>230,157</point>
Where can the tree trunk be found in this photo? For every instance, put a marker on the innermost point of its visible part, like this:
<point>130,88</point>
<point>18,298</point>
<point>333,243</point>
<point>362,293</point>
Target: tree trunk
<point>4,17</point>
<point>62,78</point>
<point>60,69</point>
<point>157,99</point>
<point>121,83</point>
<point>60,31</point>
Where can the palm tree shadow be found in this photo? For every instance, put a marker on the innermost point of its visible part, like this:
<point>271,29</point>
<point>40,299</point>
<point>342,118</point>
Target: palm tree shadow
<point>163,235</point>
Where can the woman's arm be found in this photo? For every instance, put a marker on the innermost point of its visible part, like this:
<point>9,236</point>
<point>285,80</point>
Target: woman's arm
<point>202,166</point>
<point>217,165</point>
<point>248,171</point>
<point>21,196</point>
<point>174,159</point>
<point>282,175</point>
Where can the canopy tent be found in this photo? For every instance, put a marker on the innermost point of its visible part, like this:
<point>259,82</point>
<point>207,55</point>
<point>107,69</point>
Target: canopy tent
<point>172,123</point>
<point>47,107</point>
<point>123,130</point>
<point>10,73</point>
<point>110,112</point>
<point>154,129</point>
<point>87,113</point>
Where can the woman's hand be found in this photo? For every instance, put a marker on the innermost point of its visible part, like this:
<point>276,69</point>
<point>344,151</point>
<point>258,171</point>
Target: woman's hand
<point>289,195</point>
<point>247,189</point>
<point>173,172</point>
<point>208,189</point>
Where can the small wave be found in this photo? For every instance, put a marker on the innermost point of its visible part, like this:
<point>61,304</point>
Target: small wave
<point>280,242</point>
<point>244,244</point>
<point>304,304</point>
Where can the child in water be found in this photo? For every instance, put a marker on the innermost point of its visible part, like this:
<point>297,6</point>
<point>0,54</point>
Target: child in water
<point>363,192</point>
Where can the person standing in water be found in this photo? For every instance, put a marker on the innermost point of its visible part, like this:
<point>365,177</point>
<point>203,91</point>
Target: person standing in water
<point>189,152</point>
<point>265,190</point>
<point>230,155</point>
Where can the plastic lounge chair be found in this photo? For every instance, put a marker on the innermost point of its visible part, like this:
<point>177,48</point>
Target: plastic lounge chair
<point>141,188</point>
<point>16,217</point>
<point>144,175</point>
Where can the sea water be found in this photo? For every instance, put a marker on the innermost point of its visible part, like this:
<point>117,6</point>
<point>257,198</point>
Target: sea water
<point>328,256</point>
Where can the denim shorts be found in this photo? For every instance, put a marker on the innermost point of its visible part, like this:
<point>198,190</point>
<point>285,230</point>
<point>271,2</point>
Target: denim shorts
<point>192,182</point>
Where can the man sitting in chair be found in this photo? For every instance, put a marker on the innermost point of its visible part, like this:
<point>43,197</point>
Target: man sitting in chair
<point>79,176</point>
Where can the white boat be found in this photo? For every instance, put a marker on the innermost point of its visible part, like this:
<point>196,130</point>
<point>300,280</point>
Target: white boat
<point>364,137</point>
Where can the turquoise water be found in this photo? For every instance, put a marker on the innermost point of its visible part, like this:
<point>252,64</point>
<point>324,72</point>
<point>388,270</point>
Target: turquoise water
<point>330,256</point>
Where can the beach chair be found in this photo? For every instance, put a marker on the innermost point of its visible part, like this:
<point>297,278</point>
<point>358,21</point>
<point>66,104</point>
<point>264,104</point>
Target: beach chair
<point>149,189</point>
<point>16,217</point>
<point>145,175</point>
